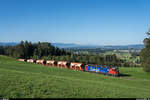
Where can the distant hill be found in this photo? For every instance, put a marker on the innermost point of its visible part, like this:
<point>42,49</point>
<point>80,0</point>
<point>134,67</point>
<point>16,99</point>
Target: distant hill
<point>72,45</point>
<point>63,45</point>
<point>135,46</point>
<point>8,43</point>
<point>77,46</point>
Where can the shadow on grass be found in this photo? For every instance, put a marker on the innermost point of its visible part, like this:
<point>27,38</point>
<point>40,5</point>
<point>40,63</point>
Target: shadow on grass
<point>120,75</point>
<point>124,75</point>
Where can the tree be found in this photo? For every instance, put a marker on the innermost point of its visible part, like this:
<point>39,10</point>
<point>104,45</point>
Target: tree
<point>148,33</point>
<point>1,50</point>
<point>145,54</point>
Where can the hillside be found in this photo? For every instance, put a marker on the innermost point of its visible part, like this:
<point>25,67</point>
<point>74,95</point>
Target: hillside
<point>27,80</point>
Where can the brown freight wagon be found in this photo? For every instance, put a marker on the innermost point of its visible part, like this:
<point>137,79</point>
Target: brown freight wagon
<point>62,64</point>
<point>31,60</point>
<point>50,63</point>
<point>76,66</point>
<point>21,59</point>
<point>42,62</point>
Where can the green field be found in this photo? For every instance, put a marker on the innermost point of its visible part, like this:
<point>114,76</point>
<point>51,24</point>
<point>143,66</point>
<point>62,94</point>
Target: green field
<point>124,55</point>
<point>27,80</point>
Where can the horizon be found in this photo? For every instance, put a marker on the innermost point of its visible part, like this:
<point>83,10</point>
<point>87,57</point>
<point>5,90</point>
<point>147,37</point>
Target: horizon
<point>82,22</point>
<point>76,44</point>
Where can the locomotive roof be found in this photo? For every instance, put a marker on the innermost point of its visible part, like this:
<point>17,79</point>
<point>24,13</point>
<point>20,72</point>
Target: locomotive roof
<point>101,66</point>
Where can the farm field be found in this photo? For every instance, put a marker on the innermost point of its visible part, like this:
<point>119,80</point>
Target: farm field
<point>124,55</point>
<point>28,80</point>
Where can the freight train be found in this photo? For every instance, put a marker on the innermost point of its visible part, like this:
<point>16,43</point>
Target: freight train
<point>107,70</point>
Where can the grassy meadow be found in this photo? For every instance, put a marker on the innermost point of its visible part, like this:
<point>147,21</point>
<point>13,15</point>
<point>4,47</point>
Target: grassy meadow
<point>28,80</point>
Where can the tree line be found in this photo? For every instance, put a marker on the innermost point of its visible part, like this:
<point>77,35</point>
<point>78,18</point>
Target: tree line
<point>28,50</point>
<point>44,50</point>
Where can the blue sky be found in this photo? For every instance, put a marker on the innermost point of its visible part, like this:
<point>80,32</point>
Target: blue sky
<point>98,22</point>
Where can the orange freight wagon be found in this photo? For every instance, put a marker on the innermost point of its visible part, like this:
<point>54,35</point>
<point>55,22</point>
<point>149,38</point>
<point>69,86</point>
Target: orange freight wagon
<point>21,60</point>
<point>76,66</point>
<point>42,62</point>
<point>50,63</point>
<point>62,64</point>
<point>31,60</point>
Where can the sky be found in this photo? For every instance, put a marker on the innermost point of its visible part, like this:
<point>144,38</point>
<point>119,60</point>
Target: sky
<point>93,22</point>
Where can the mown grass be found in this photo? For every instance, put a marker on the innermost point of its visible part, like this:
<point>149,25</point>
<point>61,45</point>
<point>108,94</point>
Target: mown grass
<point>28,80</point>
